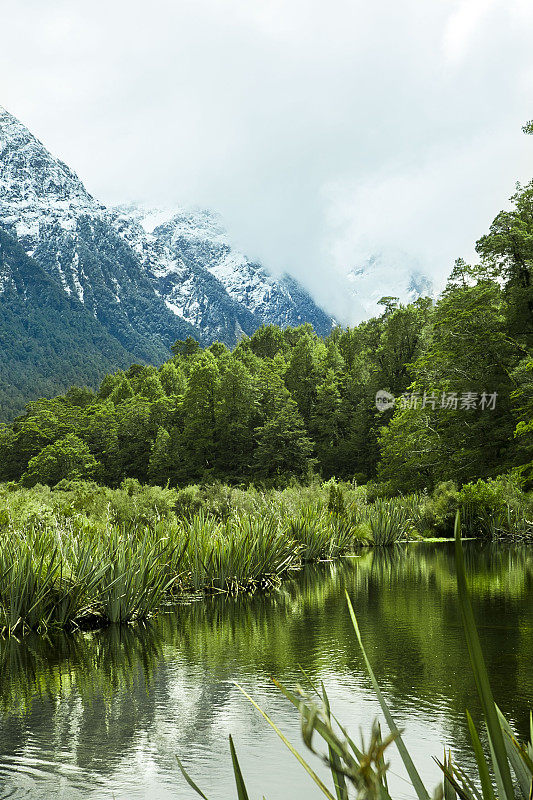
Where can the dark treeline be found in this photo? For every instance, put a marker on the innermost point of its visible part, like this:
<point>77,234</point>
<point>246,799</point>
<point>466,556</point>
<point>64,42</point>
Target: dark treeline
<point>288,403</point>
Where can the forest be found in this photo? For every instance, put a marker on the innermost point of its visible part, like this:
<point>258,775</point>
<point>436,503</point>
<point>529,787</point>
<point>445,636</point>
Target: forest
<point>288,404</point>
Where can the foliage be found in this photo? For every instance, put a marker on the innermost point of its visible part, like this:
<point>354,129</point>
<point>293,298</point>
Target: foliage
<point>84,554</point>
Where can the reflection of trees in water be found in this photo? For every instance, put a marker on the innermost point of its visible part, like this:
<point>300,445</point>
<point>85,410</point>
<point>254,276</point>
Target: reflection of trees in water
<point>94,694</point>
<point>77,692</point>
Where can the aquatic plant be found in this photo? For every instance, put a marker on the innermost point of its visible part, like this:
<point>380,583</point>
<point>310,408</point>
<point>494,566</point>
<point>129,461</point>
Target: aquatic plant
<point>310,530</point>
<point>389,523</point>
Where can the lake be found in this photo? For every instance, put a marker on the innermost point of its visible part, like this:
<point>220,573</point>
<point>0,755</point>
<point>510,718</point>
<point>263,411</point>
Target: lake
<point>103,714</point>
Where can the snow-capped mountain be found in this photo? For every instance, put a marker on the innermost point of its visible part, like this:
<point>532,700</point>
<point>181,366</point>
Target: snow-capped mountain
<point>148,285</point>
<point>198,236</point>
<point>368,283</point>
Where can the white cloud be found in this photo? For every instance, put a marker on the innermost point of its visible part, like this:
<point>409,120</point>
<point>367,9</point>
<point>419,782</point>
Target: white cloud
<point>463,24</point>
<point>320,131</point>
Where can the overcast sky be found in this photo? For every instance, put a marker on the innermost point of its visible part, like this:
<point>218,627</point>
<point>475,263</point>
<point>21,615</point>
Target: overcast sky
<point>322,131</point>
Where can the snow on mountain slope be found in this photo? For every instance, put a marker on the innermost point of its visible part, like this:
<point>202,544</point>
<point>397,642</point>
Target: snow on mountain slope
<point>199,237</point>
<point>149,284</point>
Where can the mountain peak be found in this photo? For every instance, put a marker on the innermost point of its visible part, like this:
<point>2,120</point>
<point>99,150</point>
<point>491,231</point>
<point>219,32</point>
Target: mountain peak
<point>29,174</point>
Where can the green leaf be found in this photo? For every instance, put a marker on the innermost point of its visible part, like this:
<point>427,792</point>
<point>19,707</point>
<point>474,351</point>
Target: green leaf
<point>335,763</point>
<point>306,712</point>
<point>415,778</point>
<point>190,780</point>
<point>518,758</point>
<point>323,788</point>
<point>242,794</point>
<point>449,791</point>
<point>464,792</point>
<point>483,770</point>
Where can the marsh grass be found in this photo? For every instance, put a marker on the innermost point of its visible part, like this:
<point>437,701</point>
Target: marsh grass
<point>69,572</point>
<point>83,554</point>
<point>389,523</point>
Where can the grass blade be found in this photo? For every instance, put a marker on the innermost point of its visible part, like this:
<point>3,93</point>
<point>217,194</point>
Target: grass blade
<point>483,770</point>
<point>518,757</point>
<point>242,794</point>
<point>339,780</point>
<point>190,780</point>
<point>415,778</point>
<point>323,788</point>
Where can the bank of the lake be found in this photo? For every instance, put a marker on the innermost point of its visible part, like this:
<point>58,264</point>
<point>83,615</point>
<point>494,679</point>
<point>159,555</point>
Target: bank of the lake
<point>83,555</point>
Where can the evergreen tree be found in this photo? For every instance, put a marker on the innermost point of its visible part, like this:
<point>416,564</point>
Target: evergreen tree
<point>172,379</point>
<point>237,405</point>
<point>283,447</point>
<point>160,464</point>
<point>198,438</point>
<point>67,458</point>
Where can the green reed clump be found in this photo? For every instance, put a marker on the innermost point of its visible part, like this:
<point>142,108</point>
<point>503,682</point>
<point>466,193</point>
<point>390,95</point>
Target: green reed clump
<point>311,531</point>
<point>132,583</point>
<point>242,554</point>
<point>81,553</point>
<point>323,533</point>
<point>389,523</point>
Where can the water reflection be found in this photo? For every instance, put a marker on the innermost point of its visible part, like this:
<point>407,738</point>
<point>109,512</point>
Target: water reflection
<point>103,714</point>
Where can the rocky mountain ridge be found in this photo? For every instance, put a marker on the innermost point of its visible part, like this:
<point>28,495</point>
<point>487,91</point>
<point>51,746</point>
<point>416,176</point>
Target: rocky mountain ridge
<point>147,287</point>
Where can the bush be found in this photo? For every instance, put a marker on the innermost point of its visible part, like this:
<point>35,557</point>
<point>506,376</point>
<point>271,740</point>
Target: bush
<point>496,508</point>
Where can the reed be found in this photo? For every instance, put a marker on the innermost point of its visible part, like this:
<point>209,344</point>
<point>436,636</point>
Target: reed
<point>389,523</point>
<point>69,569</point>
<point>311,531</point>
<point>242,554</point>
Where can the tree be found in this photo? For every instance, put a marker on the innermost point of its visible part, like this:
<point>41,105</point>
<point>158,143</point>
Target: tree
<point>198,437</point>
<point>522,398</point>
<point>267,341</point>
<point>122,391</point>
<point>305,370</point>
<point>236,409</point>
<point>507,252</point>
<point>283,447</point>
<point>186,348</point>
<point>151,388</point>
<point>469,351</point>
<point>136,430</point>
<point>172,379</point>
<point>325,425</point>
<point>160,464</point>
<point>68,458</point>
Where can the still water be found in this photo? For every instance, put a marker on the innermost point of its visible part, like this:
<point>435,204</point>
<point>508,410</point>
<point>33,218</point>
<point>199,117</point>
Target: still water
<point>102,715</point>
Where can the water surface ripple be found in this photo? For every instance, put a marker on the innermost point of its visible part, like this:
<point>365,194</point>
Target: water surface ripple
<point>102,715</point>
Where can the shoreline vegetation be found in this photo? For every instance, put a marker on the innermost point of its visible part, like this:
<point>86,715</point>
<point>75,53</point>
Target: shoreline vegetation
<point>83,555</point>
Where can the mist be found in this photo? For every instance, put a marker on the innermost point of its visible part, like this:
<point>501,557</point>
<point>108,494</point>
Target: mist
<point>323,133</point>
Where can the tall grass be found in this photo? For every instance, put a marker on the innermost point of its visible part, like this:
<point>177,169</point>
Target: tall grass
<point>241,554</point>
<point>389,523</point>
<point>83,554</point>
<point>68,572</point>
